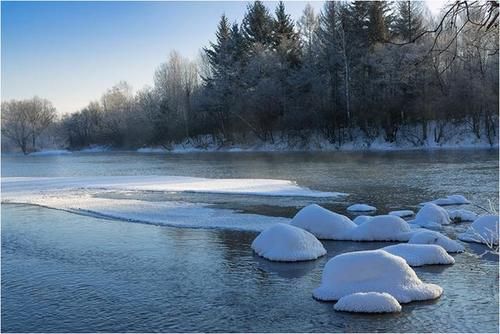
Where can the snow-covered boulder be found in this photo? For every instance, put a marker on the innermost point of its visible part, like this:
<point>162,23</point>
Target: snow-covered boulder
<point>421,255</point>
<point>450,200</point>
<point>323,223</point>
<point>436,238</point>
<point>431,216</point>
<point>382,228</point>
<point>369,302</point>
<point>402,213</point>
<point>483,230</point>
<point>373,271</point>
<point>462,215</point>
<point>361,219</point>
<point>283,242</point>
<point>361,208</point>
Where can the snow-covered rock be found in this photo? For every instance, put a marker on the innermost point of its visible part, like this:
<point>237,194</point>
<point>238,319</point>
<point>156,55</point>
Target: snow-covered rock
<point>361,208</point>
<point>382,228</point>
<point>436,238</point>
<point>323,223</point>
<point>462,215</point>
<point>284,242</point>
<point>421,255</point>
<point>483,230</point>
<point>431,216</point>
<point>450,200</point>
<point>373,271</point>
<point>402,213</point>
<point>369,302</point>
<point>361,219</point>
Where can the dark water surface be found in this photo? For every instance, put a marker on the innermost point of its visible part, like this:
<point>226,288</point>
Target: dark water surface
<point>63,272</point>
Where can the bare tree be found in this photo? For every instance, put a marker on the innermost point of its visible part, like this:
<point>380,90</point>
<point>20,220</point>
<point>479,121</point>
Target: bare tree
<point>26,120</point>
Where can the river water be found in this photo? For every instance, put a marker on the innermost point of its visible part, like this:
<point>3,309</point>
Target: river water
<point>63,272</point>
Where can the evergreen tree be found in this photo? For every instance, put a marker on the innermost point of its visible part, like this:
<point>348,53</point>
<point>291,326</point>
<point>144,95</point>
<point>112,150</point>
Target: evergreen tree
<point>257,26</point>
<point>285,40</point>
<point>409,20</point>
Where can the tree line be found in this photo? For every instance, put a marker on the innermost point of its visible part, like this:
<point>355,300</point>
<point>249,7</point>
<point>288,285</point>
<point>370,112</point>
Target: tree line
<point>370,68</point>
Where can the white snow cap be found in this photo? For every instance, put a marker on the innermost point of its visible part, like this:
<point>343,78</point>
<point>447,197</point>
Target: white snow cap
<point>431,216</point>
<point>283,242</point>
<point>402,213</point>
<point>483,230</point>
<point>323,223</point>
<point>436,238</point>
<point>382,228</point>
<point>421,255</point>
<point>369,302</point>
<point>361,208</point>
<point>373,271</point>
<point>450,200</point>
<point>361,219</point>
<point>462,215</point>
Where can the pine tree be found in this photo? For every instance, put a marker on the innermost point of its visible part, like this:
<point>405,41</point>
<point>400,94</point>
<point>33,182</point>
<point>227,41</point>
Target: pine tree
<point>409,20</point>
<point>285,40</point>
<point>257,26</point>
<point>378,22</point>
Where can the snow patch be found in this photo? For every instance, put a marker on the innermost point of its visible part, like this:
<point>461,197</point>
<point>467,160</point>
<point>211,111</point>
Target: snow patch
<point>373,271</point>
<point>49,153</point>
<point>449,200</point>
<point>361,208</point>
<point>421,255</point>
<point>402,213</point>
<point>462,215</point>
<point>483,230</point>
<point>284,242</point>
<point>436,238</point>
<point>368,302</point>
<point>260,187</point>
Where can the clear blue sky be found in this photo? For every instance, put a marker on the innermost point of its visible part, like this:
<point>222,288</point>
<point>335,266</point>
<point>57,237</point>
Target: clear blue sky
<point>71,52</point>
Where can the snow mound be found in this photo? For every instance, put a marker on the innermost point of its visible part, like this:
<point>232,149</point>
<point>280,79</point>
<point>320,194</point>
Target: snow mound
<point>323,223</point>
<point>283,242</point>
<point>50,152</point>
<point>462,215</point>
<point>436,238</point>
<point>361,208</point>
<point>421,255</point>
<point>361,219</point>
<point>431,216</point>
<point>382,228</point>
<point>402,213</point>
<point>373,271</point>
<point>450,200</point>
<point>483,230</point>
<point>369,302</point>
